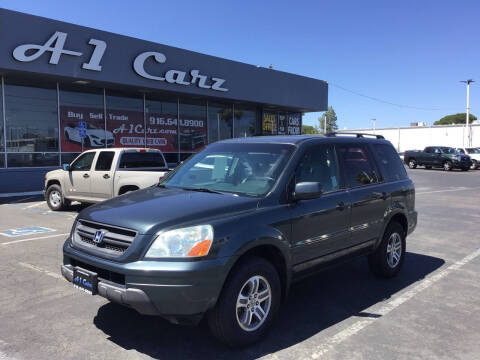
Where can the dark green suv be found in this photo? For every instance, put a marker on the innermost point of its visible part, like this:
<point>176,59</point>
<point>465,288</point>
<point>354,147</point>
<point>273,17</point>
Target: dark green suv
<point>226,233</point>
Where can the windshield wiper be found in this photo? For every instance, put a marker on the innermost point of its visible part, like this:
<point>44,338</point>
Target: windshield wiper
<point>204,190</point>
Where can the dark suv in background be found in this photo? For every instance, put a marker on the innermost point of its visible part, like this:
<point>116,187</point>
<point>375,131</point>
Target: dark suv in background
<point>226,233</point>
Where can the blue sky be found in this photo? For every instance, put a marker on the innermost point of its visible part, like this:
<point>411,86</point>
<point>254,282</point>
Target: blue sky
<point>406,52</point>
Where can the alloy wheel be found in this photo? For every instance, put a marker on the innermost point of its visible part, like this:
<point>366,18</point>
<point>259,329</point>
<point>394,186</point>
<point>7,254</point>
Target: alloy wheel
<point>253,303</point>
<point>394,250</point>
<point>55,198</point>
<point>447,166</point>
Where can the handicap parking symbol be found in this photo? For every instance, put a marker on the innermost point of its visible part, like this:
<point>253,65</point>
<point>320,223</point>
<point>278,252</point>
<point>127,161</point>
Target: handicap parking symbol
<point>30,230</point>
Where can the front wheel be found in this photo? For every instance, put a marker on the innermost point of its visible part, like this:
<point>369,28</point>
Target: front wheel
<point>54,197</point>
<point>447,166</point>
<point>474,165</point>
<point>248,303</point>
<point>387,260</point>
<point>412,164</point>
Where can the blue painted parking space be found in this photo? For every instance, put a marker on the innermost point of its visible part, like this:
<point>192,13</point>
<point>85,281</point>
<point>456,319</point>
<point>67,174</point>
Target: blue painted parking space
<point>29,230</point>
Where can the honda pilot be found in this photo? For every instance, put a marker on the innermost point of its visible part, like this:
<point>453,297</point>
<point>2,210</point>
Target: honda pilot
<point>225,234</point>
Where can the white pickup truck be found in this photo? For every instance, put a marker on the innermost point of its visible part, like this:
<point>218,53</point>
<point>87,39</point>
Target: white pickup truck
<point>474,154</point>
<point>101,174</point>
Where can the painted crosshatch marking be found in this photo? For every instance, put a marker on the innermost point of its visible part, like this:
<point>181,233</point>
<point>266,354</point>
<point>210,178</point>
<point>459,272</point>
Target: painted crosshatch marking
<point>29,230</point>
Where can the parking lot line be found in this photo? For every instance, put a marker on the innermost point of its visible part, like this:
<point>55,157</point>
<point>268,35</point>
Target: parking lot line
<point>391,305</point>
<point>39,269</point>
<point>440,191</point>
<point>37,204</point>
<point>31,239</point>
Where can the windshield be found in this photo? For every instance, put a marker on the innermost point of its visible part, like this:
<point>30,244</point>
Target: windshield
<point>473,151</point>
<point>244,169</point>
<point>448,150</point>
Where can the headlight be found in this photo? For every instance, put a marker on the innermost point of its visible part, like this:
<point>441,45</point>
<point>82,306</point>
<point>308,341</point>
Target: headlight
<point>94,136</point>
<point>459,157</point>
<point>192,241</point>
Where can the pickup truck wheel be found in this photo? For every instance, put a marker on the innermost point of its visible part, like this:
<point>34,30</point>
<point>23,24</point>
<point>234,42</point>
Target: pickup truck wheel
<point>54,197</point>
<point>474,165</point>
<point>247,304</point>
<point>447,165</point>
<point>412,163</point>
<point>387,260</point>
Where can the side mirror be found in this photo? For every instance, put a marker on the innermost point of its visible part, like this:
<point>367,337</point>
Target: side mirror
<point>66,167</point>
<point>307,191</point>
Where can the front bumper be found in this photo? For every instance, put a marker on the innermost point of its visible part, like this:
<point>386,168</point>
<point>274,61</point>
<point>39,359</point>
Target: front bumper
<point>180,291</point>
<point>465,164</point>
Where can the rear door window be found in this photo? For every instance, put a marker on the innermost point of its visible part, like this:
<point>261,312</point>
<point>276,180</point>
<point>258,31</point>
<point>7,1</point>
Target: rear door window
<point>141,160</point>
<point>104,161</point>
<point>358,167</point>
<point>389,163</point>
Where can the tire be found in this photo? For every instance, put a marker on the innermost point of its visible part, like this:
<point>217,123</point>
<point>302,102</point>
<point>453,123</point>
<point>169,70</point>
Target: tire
<point>87,143</point>
<point>465,169</point>
<point>447,165</point>
<point>67,136</point>
<point>226,320</point>
<point>382,262</point>
<point>412,163</point>
<point>54,197</point>
<point>474,165</point>
<point>428,167</point>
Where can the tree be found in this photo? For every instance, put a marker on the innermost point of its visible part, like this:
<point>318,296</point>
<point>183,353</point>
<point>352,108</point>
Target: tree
<point>309,130</point>
<point>460,118</point>
<point>331,117</point>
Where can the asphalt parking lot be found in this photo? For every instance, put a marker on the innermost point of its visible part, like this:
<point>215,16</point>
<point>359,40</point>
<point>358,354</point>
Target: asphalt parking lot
<point>430,311</point>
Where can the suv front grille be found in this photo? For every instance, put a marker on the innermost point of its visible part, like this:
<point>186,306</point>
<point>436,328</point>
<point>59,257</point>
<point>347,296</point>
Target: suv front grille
<point>115,240</point>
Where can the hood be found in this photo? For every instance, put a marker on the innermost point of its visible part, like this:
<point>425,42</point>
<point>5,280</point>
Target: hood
<point>54,173</point>
<point>97,132</point>
<point>153,209</point>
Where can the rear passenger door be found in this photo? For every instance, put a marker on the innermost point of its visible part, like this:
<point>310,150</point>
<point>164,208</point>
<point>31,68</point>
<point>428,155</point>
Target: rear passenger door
<point>368,194</point>
<point>320,226</point>
<point>103,175</point>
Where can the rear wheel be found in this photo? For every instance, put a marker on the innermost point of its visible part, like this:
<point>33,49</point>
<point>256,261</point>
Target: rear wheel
<point>248,303</point>
<point>412,163</point>
<point>387,260</point>
<point>54,197</point>
<point>474,165</point>
<point>447,165</point>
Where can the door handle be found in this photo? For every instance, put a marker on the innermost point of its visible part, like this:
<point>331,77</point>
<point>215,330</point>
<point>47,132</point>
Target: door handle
<point>106,176</point>
<point>341,206</point>
<point>379,195</point>
<point>86,176</point>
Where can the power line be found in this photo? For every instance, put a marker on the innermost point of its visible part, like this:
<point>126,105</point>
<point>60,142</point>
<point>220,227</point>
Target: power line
<point>388,102</point>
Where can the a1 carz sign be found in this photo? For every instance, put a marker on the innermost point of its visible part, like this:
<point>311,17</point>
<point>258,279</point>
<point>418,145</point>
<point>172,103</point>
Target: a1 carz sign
<point>55,45</point>
<point>126,128</point>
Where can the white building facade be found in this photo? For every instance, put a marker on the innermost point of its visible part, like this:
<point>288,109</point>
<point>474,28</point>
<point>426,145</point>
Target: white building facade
<point>418,137</point>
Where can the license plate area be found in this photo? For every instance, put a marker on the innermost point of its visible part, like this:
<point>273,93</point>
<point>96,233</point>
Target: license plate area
<point>85,280</point>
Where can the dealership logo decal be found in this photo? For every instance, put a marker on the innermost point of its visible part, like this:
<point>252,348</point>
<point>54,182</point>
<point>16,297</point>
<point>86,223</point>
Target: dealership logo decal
<point>55,45</point>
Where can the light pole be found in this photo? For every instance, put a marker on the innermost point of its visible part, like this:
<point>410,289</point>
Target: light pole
<point>374,125</point>
<point>467,123</point>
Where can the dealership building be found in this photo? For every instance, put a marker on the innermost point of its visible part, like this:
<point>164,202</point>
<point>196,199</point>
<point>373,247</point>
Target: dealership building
<point>67,88</point>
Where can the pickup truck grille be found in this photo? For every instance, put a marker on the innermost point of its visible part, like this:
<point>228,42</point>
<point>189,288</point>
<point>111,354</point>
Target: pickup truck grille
<point>115,240</point>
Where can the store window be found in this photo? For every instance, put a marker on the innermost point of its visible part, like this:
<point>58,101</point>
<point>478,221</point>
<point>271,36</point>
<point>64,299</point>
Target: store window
<point>193,126</point>
<point>219,121</point>
<point>31,124</point>
<point>82,123</point>
<point>2,143</point>
<point>32,159</point>
<point>161,118</point>
<point>294,124</point>
<point>244,121</point>
<point>269,123</point>
<point>125,123</point>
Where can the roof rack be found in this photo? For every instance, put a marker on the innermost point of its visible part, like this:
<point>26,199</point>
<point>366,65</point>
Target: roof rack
<point>358,135</point>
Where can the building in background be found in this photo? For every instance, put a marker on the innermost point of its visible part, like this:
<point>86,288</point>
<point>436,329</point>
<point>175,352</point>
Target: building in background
<point>418,137</point>
<point>67,88</point>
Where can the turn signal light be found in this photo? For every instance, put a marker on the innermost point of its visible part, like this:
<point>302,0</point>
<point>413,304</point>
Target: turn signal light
<point>200,249</point>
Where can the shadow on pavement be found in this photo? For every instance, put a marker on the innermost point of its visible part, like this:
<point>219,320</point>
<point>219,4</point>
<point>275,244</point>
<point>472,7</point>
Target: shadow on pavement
<point>314,304</point>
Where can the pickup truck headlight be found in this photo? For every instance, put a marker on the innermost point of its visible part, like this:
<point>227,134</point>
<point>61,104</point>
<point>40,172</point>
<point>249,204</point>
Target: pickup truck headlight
<point>192,241</point>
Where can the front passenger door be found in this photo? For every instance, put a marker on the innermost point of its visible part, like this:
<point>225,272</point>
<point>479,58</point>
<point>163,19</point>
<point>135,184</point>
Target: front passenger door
<point>78,179</point>
<point>320,226</point>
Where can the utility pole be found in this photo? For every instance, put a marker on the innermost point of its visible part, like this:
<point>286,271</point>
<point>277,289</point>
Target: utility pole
<point>325,124</point>
<point>467,123</point>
